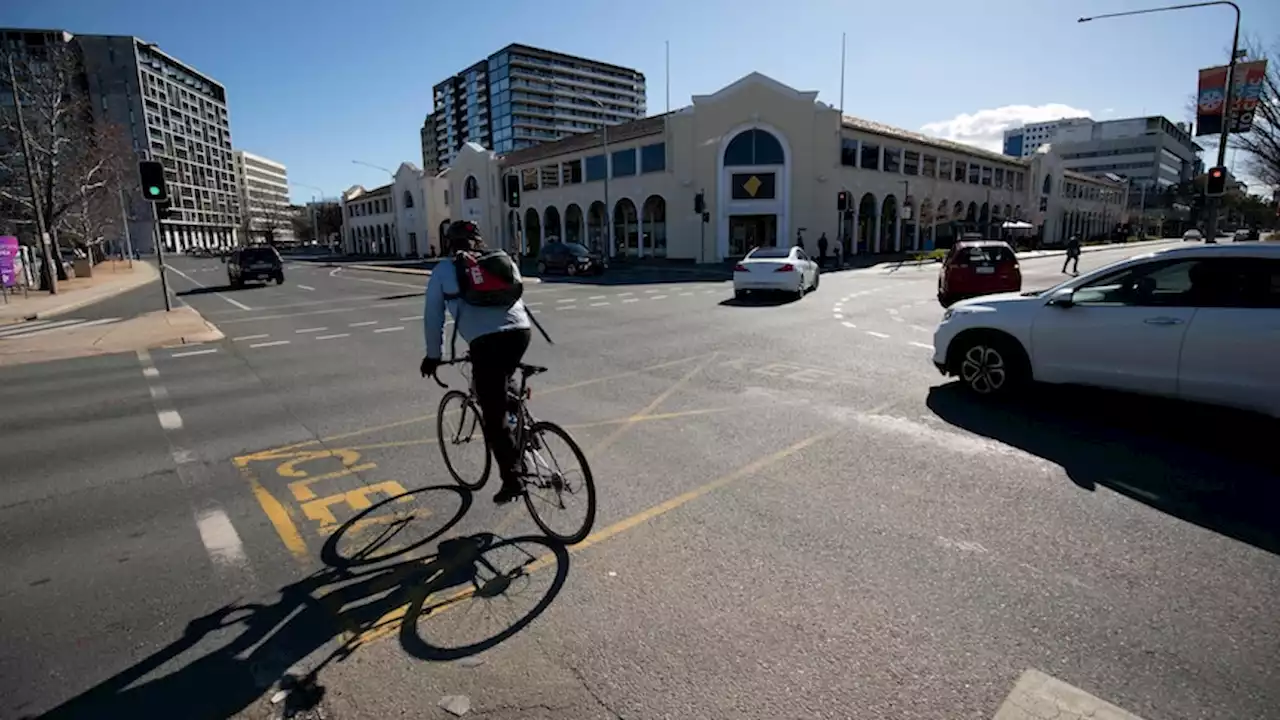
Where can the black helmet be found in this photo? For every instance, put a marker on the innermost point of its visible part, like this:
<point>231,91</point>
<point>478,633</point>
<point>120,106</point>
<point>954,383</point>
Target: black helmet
<point>462,234</point>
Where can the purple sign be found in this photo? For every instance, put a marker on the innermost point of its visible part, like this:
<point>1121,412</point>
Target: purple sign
<point>10,261</point>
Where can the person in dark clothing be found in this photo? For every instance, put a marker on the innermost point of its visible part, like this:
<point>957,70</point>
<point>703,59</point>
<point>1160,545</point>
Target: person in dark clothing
<point>497,338</point>
<point>1073,255</point>
<point>822,250</point>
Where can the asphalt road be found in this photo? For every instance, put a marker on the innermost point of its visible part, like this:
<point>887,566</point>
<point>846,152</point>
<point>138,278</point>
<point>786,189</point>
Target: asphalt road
<point>798,518</point>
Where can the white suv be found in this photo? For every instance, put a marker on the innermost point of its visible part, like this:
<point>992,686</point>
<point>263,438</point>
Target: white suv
<point>1199,323</point>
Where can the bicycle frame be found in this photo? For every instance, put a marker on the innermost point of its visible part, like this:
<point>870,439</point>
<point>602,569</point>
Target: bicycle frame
<point>524,419</point>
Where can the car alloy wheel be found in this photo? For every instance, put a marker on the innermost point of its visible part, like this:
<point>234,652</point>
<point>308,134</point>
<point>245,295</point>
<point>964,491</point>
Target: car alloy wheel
<point>983,369</point>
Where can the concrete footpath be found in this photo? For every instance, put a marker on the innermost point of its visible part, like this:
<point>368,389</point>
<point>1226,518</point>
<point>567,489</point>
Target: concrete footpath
<point>180,326</point>
<point>109,279</point>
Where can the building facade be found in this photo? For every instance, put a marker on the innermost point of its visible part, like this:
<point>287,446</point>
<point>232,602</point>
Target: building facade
<point>263,186</point>
<point>521,96</point>
<point>176,115</point>
<point>771,163</point>
<point>1025,140</point>
<point>369,221</point>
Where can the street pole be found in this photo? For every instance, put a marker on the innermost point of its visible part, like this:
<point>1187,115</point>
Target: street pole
<point>1211,203</point>
<point>608,215</point>
<point>46,256</point>
<point>124,219</point>
<point>159,240</point>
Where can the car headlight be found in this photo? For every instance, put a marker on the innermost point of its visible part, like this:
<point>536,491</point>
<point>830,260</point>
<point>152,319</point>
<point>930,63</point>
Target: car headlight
<point>947,314</point>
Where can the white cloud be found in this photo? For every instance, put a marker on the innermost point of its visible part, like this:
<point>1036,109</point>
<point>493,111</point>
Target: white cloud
<point>985,128</point>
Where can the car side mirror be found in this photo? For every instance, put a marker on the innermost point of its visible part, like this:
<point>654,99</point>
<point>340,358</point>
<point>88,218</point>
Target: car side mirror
<point>1063,298</point>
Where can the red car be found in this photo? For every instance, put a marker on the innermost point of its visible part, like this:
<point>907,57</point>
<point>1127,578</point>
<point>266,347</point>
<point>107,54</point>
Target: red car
<point>978,267</point>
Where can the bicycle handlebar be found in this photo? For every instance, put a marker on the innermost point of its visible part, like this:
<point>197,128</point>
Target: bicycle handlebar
<point>453,361</point>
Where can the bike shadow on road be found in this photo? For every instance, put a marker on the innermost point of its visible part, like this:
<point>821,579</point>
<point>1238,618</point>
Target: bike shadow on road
<point>1212,467</point>
<point>761,298</point>
<point>248,652</point>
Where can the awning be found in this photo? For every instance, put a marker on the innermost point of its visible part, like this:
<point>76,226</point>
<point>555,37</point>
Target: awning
<point>1017,225</point>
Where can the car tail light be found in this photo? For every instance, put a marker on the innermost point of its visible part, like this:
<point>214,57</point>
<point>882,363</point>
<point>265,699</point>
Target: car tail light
<point>740,268</point>
<point>786,268</point>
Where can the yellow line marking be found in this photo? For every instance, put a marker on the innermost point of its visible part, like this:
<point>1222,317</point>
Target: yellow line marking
<point>358,499</point>
<point>270,453</point>
<point>302,491</point>
<point>388,623</point>
<point>613,436</point>
<point>289,468</point>
<point>278,514</point>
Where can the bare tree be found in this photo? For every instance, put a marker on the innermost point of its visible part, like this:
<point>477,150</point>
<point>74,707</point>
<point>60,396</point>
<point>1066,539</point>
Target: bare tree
<point>96,216</point>
<point>1261,145</point>
<point>66,163</point>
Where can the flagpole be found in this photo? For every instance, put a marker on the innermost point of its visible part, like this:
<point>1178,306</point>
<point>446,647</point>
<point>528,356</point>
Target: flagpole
<point>668,76</point>
<point>842,38</point>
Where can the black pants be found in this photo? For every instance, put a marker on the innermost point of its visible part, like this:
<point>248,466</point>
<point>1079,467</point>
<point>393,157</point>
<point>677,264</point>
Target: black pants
<point>494,359</point>
<point>1071,259</point>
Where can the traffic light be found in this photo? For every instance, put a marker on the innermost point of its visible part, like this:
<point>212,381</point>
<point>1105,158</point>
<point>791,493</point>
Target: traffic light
<point>1216,184</point>
<point>151,173</point>
<point>699,203</point>
<point>513,191</point>
<point>842,200</point>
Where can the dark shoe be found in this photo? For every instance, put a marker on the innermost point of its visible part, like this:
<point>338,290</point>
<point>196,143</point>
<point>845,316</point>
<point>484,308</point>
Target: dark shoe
<point>509,492</point>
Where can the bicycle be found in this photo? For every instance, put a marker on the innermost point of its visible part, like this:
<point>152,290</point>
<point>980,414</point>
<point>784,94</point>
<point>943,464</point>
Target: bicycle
<point>531,436</point>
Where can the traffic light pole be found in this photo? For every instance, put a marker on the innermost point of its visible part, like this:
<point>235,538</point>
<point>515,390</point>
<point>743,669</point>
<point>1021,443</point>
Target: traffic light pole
<point>159,240</point>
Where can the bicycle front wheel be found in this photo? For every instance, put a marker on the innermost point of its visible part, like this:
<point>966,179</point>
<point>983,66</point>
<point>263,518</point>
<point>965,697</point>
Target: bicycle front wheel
<point>557,479</point>
<point>460,431</point>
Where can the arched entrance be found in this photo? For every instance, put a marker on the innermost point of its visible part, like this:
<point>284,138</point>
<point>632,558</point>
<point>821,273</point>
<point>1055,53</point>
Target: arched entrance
<point>868,212</point>
<point>888,222</point>
<point>551,224</point>
<point>573,231</point>
<point>597,220</point>
<point>754,190</point>
<point>532,232</point>
<point>653,220</point>
<point>626,227</point>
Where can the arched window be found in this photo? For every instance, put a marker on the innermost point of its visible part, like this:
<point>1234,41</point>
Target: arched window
<point>1048,185</point>
<point>471,188</point>
<point>754,147</point>
<point>408,199</point>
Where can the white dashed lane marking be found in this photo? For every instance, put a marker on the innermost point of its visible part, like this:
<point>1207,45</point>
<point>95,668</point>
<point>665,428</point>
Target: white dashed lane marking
<point>567,300</point>
<point>333,336</point>
<point>848,324</point>
<point>269,344</point>
<point>170,419</point>
<point>926,346</point>
<point>599,304</point>
<point>389,329</point>
<point>363,324</point>
<point>873,333</point>
<point>310,330</point>
<point>598,297</point>
<point>249,337</point>
<point>305,287</point>
<point>220,538</point>
<point>630,300</point>
<point>416,317</point>
<point>658,297</point>
<point>189,353</point>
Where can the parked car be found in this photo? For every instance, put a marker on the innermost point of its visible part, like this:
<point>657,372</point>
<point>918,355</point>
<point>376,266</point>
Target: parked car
<point>570,258</point>
<point>258,262</point>
<point>1199,323</point>
<point>779,269</point>
<point>1193,235</point>
<point>978,267</point>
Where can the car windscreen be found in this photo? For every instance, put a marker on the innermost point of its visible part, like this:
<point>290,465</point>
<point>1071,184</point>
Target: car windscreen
<point>984,255</point>
<point>770,253</point>
<point>576,249</point>
<point>257,255</point>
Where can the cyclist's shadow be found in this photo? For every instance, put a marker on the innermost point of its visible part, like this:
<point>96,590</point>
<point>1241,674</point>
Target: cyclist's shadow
<point>243,650</point>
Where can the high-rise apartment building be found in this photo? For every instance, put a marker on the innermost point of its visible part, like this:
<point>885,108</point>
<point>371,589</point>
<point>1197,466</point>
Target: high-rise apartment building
<point>174,114</point>
<point>265,214</point>
<point>1023,141</point>
<point>521,96</point>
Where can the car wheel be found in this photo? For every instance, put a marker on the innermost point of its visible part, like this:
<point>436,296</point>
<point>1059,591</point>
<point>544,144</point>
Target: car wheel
<point>990,365</point>
<point>815,280</point>
<point>280,279</point>
<point>542,268</point>
<point>571,269</point>
<point>739,294</point>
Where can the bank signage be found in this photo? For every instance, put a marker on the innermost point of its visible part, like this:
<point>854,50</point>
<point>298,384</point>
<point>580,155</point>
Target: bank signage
<point>754,186</point>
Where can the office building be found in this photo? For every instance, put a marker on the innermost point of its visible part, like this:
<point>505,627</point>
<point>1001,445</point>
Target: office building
<point>263,185</point>
<point>177,115</point>
<point>1023,141</point>
<point>521,96</point>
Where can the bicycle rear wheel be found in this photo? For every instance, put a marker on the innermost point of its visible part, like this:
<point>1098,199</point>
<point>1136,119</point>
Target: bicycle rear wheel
<point>460,431</point>
<point>550,485</point>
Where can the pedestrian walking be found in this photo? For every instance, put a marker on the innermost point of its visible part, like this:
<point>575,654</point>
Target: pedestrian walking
<point>1073,255</point>
<point>822,250</point>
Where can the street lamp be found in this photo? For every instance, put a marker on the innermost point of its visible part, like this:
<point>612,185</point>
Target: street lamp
<point>1211,225</point>
<point>315,211</point>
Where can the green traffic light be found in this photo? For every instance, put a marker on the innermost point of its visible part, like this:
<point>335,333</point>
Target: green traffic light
<point>154,190</point>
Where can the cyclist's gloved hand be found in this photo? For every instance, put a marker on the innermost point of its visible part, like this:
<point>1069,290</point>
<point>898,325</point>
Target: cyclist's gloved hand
<point>429,366</point>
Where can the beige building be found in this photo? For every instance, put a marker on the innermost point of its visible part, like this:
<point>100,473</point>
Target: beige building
<point>771,163</point>
<point>369,221</point>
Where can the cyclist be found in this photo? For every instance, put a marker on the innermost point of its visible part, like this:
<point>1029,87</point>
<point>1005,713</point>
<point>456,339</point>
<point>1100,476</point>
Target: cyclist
<point>497,336</point>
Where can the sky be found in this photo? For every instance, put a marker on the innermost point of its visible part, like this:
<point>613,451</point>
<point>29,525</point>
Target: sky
<point>318,84</point>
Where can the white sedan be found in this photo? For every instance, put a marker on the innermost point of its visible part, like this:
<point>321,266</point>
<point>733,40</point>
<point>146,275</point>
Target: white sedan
<point>1199,323</point>
<point>778,269</point>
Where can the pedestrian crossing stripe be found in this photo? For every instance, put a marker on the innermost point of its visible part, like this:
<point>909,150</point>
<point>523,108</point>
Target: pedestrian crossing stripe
<point>1039,696</point>
<point>42,327</point>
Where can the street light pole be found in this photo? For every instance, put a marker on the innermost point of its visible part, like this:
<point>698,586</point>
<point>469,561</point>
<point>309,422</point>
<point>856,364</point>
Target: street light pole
<point>46,256</point>
<point>604,141</point>
<point>1211,225</point>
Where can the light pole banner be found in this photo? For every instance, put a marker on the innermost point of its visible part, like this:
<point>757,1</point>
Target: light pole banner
<point>1247,93</point>
<point>10,261</point>
<point>1209,101</point>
